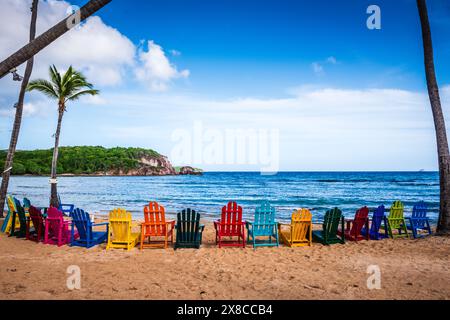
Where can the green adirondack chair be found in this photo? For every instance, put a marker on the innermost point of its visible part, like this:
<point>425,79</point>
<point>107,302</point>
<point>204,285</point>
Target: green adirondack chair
<point>188,229</point>
<point>329,233</point>
<point>396,221</point>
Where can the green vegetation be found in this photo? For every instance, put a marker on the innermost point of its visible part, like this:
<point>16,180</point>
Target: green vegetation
<point>78,160</point>
<point>178,169</point>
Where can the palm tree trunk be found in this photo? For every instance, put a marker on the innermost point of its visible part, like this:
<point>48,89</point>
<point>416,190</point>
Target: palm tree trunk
<point>48,37</point>
<point>54,190</point>
<point>18,117</point>
<point>439,122</point>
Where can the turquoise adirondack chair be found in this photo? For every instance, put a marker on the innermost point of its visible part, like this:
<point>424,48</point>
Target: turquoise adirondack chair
<point>264,225</point>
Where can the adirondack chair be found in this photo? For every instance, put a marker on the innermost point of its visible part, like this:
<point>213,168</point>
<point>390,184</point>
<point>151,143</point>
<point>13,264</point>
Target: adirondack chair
<point>230,225</point>
<point>87,236</point>
<point>7,223</point>
<point>419,220</point>
<point>354,226</point>
<point>378,218</point>
<point>189,231</point>
<point>37,218</point>
<point>56,228</point>
<point>67,209</point>
<point>329,233</point>
<point>19,215</point>
<point>299,232</point>
<point>120,235</point>
<point>263,226</point>
<point>156,226</point>
<point>396,220</point>
<point>26,204</point>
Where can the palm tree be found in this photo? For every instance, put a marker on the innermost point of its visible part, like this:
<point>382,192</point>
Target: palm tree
<point>439,123</point>
<point>32,48</point>
<point>62,88</point>
<point>18,116</point>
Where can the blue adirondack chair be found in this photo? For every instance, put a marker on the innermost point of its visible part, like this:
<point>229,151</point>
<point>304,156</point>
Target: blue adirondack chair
<point>378,218</point>
<point>264,225</point>
<point>67,209</point>
<point>419,220</point>
<point>87,237</point>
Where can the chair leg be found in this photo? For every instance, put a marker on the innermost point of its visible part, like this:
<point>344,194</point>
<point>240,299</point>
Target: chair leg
<point>142,239</point>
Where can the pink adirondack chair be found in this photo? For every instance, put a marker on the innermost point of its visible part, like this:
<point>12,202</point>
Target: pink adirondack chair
<point>56,228</point>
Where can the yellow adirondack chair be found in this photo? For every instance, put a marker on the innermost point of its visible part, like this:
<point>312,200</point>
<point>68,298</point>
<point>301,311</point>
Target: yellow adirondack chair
<point>12,209</point>
<point>396,221</point>
<point>120,234</point>
<point>299,232</point>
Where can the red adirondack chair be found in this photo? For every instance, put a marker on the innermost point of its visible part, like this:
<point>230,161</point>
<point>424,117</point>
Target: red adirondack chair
<point>56,228</point>
<point>354,226</point>
<point>230,225</point>
<point>38,223</point>
<point>155,225</point>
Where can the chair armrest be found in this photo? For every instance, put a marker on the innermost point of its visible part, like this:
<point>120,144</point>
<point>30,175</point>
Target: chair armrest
<point>100,224</point>
<point>284,224</point>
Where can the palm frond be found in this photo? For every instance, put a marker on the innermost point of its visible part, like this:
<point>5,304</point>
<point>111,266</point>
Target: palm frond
<point>77,95</point>
<point>55,77</point>
<point>44,86</point>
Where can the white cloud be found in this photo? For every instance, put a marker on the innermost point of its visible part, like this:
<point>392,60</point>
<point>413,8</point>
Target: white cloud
<point>367,129</point>
<point>100,51</point>
<point>317,68</point>
<point>175,53</point>
<point>156,69</point>
<point>331,60</point>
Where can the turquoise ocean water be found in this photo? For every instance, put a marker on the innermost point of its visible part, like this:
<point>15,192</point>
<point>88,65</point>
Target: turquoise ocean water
<point>318,191</point>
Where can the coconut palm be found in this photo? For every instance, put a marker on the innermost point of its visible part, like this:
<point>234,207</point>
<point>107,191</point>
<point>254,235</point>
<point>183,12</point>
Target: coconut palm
<point>19,111</point>
<point>35,46</point>
<point>62,88</point>
<point>439,123</point>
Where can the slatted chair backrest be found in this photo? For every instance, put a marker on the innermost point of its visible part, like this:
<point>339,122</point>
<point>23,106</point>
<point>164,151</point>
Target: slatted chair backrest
<point>395,217</point>
<point>55,220</point>
<point>82,221</point>
<point>188,223</point>
<point>300,224</point>
<point>120,225</point>
<point>419,215</point>
<point>20,214</point>
<point>231,219</point>
<point>359,221</point>
<point>155,219</point>
<point>331,223</point>
<point>377,219</point>
<point>36,217</point>
<point>7,223</point>
<point>26,204</point>
<point>264,220</point>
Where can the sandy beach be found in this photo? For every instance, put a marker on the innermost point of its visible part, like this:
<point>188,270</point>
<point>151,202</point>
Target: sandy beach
<point>410,269</point>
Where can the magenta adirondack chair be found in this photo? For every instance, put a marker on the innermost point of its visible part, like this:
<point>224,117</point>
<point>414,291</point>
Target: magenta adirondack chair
<point>56,228</point>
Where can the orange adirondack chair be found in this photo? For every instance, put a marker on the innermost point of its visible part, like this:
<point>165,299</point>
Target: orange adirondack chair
<point>156,226</point>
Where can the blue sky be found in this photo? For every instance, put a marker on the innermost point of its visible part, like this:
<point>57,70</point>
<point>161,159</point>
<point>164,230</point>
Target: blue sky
<point>311,70</point>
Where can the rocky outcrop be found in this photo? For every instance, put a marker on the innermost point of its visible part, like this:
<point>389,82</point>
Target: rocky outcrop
<point>189,171</point>
<point>154,166</point>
